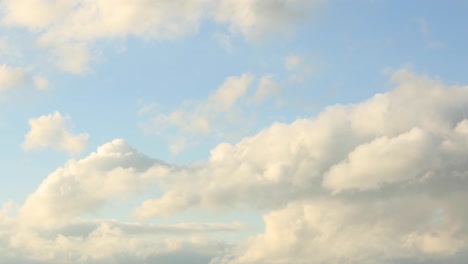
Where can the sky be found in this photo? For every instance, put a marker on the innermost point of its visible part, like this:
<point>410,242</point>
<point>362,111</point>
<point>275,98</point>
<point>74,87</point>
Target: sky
<point>233,131</point>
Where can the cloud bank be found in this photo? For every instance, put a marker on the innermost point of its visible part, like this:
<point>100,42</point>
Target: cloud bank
<point>380,181</point>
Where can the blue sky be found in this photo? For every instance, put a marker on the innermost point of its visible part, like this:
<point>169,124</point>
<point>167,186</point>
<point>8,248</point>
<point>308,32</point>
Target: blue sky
<point>231,131</point>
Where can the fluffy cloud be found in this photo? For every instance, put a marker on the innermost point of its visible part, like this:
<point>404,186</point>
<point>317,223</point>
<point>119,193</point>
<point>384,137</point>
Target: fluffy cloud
<point>396,138</point>
<point>391,230</point>
<point>70,28</point>
<point>114,169</point>
<point>52,131</point>
<point>381,181</point>
<point>49,228</point>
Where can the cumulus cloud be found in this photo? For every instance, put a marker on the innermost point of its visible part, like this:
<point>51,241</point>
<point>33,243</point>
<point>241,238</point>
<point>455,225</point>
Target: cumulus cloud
<point>70,28</point>
<point>388,230</point>
<point>49,228</point>
<point>114,169</point>
<point>52,131</point>
<point>381,181</point>
<point>14,77</point>
<point>398,137</point>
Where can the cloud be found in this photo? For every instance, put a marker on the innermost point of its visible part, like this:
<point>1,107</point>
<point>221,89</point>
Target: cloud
<point>380,181</point>
<point>366,231</point>
<point>298,67</point>
<point>11,77</point>
<point>385,182</point>
<point>15,77</point>
<point>255,18</point>
<point>267,87</point>
<point>384,160</point>
<point>108,244</point>
<point>52,131</point>
<point>115,169</point>
<point>49,228</point>
<point>70,29</point>
<point>206,117</point>
<point>394,139</point>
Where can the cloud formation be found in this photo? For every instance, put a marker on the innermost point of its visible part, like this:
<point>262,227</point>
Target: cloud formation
<point>52,131</point>
<point>52,225</point>
<point>70,28</point>
<point>349,178</point>
<point>380,181</point>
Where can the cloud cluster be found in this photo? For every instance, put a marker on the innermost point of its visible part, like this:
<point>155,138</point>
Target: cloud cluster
<point>70,28</point>
<point>380,181</point>
<point>52,131</point>
<point>50,226</point>
<point>352,177</point>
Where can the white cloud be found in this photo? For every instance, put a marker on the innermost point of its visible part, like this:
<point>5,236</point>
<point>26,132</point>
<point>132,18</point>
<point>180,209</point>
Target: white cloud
<point>114,169</point>
<point>207,116</point>
<point>70,28</point>
<point>219,114</point>
<point>298,67</point>
<point>267,87</point>
<point>108,243</point>
<point>48,227</point>
<point>255,18</point>
<point>383,160</point>
<point>52,131</point>
<point>15,77</point>
<point>229,93</point>
<point>368,231</point>
<point>11,77</point>
<point>381,181</point>
<point>378,144</point>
